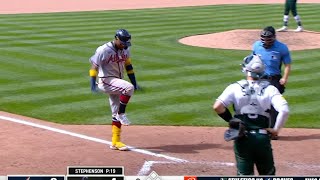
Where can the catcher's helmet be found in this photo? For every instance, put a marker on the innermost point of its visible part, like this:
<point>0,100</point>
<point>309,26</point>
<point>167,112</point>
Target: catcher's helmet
<point>268,36</point>
<point>253,66</point>
<point>124,36</point>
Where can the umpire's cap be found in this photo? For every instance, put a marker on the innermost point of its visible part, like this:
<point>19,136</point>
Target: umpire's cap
<point>124,36</point>
<point>268,31</point>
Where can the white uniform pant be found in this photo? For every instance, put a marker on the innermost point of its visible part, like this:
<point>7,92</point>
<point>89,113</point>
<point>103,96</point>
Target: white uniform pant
<point>115,87</point>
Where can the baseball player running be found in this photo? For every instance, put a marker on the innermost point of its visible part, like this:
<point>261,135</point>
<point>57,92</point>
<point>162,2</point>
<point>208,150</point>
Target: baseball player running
<point>252,99</point>
<point>108,63</point>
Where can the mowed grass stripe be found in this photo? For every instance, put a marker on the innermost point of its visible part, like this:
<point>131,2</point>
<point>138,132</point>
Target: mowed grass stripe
<point>63,90</point>
<point>74,23</point>
<point>26,85</point>
<point>18,63</point>
<point>49,54</point>
<point>79,18</point>
<point>45,95</point>
<point>179,82</point>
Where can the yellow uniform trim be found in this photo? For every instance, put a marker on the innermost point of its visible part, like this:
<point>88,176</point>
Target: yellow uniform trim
<point>130,72</point>
<point>115,134</point>
<point>93,73</point>
<point>128,61</point>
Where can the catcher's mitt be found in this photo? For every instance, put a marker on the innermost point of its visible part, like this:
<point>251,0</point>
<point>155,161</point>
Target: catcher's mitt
<point>237,129</point>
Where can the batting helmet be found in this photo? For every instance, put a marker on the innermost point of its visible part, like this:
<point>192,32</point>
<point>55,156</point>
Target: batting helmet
<point>268,36</point>
<point>124,36</point>
<point>253,66</point>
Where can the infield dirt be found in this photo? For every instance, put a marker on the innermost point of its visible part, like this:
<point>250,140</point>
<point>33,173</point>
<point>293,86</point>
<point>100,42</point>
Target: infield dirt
<point>27,149</point>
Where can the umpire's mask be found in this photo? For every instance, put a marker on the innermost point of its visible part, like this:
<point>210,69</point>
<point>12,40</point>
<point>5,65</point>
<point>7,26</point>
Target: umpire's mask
<point>268,36</point>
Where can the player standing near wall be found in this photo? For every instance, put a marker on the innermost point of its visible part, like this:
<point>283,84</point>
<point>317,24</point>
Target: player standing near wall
<point>291,5</point>
<point>108,63</point>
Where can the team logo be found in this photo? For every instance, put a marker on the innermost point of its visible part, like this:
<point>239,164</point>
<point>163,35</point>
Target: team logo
<point>190,178</point>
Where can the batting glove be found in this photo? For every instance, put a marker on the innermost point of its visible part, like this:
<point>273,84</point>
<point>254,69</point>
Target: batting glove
<point>137,87</point>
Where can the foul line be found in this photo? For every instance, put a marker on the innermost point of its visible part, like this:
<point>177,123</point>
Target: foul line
<point>89,138</point>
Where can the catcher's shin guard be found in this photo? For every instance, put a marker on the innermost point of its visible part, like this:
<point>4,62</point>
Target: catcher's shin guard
<point>116,132</point>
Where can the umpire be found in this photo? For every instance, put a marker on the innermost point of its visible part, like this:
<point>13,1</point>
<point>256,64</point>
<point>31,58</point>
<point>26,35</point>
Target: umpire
<point>274,54</point>
<point>251,98</point>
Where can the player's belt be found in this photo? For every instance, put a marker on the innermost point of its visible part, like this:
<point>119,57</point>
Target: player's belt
<point>260,131</point>
<point>273,77</point>
<point>109,77</point>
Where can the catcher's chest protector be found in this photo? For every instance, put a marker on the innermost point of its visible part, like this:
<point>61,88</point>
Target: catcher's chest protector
<point>250,104</point>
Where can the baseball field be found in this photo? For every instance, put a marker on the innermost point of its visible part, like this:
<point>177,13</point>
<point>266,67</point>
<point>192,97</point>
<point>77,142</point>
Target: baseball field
<point>51,120</point>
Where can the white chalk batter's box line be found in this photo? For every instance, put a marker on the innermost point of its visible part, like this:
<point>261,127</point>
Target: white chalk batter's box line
<point>148,164</point>
<point>146,168</point>
<point>81,136</point>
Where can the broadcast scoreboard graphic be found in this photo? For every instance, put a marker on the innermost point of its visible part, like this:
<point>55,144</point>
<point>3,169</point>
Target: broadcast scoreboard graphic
<point>95,173</point>
<point>35,177</point>
<point>117,173</point>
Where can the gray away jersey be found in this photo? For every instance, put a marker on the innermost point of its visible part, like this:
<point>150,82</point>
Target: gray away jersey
<point>111,62</point>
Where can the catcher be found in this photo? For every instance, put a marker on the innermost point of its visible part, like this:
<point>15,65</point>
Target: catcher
<point>250,127</point>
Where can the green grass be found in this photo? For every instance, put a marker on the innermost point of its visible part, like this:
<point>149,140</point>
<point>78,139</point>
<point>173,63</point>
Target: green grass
<point>44,64</point>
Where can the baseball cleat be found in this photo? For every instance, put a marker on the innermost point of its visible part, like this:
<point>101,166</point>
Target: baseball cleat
<point>283,29</point>
<point>114,119</point>
<point>299,29</point>
<point>119,146</point>
<point>123,119</point>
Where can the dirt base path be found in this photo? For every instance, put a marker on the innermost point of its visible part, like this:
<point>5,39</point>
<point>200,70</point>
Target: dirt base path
<point>43,6</point>
<point>32,146</point>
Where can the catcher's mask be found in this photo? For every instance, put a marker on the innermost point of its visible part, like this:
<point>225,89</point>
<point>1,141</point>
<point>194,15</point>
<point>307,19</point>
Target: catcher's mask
<point>124,37</point>
<point>253,66</point>
<point>268,36</point>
